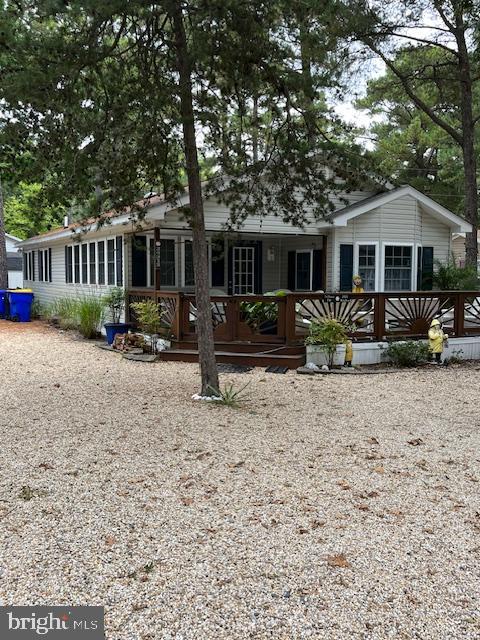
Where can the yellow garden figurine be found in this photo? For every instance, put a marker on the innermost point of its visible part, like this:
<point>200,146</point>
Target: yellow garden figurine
<point>436,339</point>
<point>357,285</point>
<point>348,354</point>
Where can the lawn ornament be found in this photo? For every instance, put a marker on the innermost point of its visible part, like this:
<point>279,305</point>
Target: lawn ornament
<point>437,339</point>
<point>357,285</point>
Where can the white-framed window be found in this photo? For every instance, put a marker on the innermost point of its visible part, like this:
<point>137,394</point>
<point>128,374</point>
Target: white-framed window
<point>95,262</point>
<point>365,264</point>
<point>304,270</point>
<point>398,266</point>
<point>45,265</point>
<point>29,265</point>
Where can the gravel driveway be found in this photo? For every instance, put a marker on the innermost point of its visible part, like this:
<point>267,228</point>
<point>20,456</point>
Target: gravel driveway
<point>325,507</point>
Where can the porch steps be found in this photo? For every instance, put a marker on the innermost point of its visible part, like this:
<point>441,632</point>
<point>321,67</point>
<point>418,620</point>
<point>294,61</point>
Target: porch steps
<point>261,348</point>
<point>255,359</point>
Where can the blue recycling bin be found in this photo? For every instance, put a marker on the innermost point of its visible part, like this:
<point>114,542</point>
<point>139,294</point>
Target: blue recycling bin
<point>20,305</point>
<point>3,303</point>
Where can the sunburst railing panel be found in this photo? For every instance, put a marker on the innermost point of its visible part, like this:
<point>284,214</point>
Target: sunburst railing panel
<point>357,313</point>
<point>411,314</point>
<point>471,312</point>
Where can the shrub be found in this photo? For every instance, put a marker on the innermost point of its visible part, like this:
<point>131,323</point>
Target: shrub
<point>327,333</point>
<point>90,313</point>
<point>114,300</point>
<point>259,314</point>
<point>449,277</point>
<point>409,353</point>
<point>148,315</point>
<point>64,310</point>
<point>37,311</point>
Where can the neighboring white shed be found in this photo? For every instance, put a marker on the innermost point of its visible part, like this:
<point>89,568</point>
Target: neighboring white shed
<point>14,262</point>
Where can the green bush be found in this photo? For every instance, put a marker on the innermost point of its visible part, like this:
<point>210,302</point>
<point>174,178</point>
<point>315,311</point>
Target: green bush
<point>148,315</point>
<point>327,333</point>
<point>449,277</point>
<point>114,300</point>
<point>64,310</point>
<point>37,311</point>
<point>90,312</point>
<point>409,353</point>
<point>256,314</point>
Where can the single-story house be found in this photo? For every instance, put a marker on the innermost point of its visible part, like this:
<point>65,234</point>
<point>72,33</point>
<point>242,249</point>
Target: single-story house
<point>390,238</point>
<point>14,262</point>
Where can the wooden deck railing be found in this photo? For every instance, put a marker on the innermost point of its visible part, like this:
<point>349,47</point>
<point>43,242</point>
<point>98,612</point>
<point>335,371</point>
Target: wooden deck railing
<point>287,319</point>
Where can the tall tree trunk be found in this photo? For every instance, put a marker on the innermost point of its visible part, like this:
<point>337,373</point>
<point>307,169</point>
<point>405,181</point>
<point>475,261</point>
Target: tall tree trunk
<point>308,88</point>
<point>3,245</point>
<point>468,144</point>
<point>206,347</point>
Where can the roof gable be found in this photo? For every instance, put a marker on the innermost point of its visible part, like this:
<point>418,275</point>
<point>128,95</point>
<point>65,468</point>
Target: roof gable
<point>456,223</point>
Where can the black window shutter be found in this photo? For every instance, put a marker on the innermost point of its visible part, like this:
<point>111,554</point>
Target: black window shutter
<point>119,259</point>
<point>33,265</point>
<point>50,265</point>
<point>291,270</point>
<point>139,261</point>
<point>25,269</point>
<point>317,275</point>
<point>258,268</point>
<point>425,269</point>
<point>218,264</point>
<point>346,267</point>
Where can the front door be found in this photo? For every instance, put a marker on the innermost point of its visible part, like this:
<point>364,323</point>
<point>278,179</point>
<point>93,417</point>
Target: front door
<point>244,269</point>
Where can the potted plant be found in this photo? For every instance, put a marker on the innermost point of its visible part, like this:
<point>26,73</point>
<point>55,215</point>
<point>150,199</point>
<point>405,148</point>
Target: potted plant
<point>114,300</point>
<point>149,318</point>
<point>326,335</point>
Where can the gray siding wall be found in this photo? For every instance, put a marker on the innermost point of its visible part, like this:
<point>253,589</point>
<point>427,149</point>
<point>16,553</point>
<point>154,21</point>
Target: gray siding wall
<point>218,214</point>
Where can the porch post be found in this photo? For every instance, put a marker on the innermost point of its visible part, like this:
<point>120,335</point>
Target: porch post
<point>156,262</point>
<point>324,262</point>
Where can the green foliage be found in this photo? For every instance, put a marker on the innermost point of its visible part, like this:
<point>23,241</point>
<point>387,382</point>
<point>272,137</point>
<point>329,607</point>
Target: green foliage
<point>64,310</point>
<point>229,396</point>
<point>37,311</point>
<point>149,316</point>
<point>409,353</point>
<point>327,333</point>
<point>256,314</point>
<point>90,311</point>
<point>449,277</point>
<point>114,300</point>
<point>84,313</point>
<point>28,212</point>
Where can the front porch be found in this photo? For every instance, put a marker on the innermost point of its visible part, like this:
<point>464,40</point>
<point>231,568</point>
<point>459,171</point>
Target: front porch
<point>239,264</point>
<point>262,330</point>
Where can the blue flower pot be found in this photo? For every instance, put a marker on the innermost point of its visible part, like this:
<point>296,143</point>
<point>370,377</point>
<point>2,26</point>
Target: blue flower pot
<point>112,328</point>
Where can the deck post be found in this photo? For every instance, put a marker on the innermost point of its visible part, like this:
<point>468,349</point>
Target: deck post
<point>178,320</point>
<point>459,315</point>
<point>379,317</point>
<point>156,262</point>
<point>290,319</point>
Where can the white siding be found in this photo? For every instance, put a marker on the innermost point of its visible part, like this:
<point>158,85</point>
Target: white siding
<point>218,214</point>
<point>47,292</point>
<point>399,221</point>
